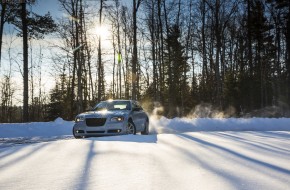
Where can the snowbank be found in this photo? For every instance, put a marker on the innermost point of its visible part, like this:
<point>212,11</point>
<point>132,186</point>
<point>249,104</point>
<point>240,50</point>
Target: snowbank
<point>59,127</point>
<point>179,125</point>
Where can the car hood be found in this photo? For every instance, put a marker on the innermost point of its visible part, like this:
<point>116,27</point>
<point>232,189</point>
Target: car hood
<point>105,113</point>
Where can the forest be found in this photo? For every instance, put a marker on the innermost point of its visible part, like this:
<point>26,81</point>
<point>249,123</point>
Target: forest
<point>183,58</point>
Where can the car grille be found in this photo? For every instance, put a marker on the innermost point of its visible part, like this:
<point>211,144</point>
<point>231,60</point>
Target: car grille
<point>95,122</point>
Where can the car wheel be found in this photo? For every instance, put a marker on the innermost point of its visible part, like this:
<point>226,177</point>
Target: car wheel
<point>130,129</point>
<point>75,136</point>
<point>146,128</point>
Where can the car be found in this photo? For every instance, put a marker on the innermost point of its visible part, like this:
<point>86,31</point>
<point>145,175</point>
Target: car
<point>112,117</point>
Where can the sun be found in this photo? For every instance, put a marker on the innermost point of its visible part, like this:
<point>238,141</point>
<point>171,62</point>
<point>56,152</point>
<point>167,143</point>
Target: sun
<point>102,31</point>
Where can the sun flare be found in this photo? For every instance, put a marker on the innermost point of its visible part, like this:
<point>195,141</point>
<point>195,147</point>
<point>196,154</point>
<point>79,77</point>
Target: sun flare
<point>102,31</point>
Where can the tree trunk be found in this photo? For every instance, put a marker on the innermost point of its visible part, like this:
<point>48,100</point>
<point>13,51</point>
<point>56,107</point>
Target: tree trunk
<point>114,65</point>
<point>127,89</point>
<point>3,11</point>
<point>217,58</point>
<point>119,56</point>
<point>79,62</point>
<point>160,54</point>
<point>204,52</point>
<point>288,53</point>
<point>87,49</point>
<point>134,59</point>
<point>153,50</point>
<point>100,64</point>
<point>25,62</point>
<point>126,53</point>
<point>171,82</point>
<point>250,54</point>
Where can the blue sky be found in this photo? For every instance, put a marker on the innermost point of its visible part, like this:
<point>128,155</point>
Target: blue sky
<point>13,44</point>
<point>44,6</point>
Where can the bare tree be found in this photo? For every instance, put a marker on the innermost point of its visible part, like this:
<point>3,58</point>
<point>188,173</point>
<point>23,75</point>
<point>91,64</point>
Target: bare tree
<point>2,22</point>
<point>135,77</point>
<point>101,84</point>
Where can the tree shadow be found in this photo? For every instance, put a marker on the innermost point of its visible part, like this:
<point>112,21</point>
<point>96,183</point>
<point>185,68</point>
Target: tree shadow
<point>152,138</point>
<point>262,145</point>
<point>5,151</point>
<point>237,154</point>
<point>207,165</point>
<point>23,157</point>
<point>275,134</point>
<point>84,178</point>
<point>10,142</point>
<point>229,156</point>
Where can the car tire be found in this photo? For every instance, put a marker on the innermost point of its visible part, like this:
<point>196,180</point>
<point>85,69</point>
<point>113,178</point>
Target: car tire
<point>146,129</point>
<point>75,136</point>
<point>130,128</point>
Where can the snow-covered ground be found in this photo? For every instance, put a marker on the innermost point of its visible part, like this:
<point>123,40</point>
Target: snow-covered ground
<point>178,154</point>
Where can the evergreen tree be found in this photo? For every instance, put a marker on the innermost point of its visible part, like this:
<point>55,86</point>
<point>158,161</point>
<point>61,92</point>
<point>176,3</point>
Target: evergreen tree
<point>176,63</point>
<point>264,55</point>
<point>60,100</point>
<point>284,20</point>
<point>256,59</point>
<point>55,108</point>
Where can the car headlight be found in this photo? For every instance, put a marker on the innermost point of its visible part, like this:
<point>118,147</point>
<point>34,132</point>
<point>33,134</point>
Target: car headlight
<point>117,119</point>
<point>79,118</point>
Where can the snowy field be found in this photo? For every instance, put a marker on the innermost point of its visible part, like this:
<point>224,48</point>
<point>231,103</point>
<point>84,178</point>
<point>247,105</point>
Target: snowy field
<point>179,154</point>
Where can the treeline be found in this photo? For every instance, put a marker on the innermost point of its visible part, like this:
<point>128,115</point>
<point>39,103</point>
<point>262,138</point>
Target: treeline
<point>229,54</point>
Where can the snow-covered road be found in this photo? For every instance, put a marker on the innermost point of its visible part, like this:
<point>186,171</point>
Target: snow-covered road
<point>192,160</point>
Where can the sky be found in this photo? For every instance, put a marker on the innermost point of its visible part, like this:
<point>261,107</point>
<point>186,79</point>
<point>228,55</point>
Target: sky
<point>44,6</point>
<point>41,7</point>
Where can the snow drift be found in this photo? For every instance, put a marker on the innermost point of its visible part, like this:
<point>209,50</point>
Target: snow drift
<point>59,127</point>
<point>56,128</point>
<point>180,125</point>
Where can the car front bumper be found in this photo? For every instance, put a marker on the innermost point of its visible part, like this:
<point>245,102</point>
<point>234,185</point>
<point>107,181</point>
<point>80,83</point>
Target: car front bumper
<point>110,128</point>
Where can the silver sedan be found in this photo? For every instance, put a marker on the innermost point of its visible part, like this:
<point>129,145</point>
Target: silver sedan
<point>112,117</point>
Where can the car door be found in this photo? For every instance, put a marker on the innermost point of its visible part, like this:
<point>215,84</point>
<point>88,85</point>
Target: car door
<point>137,115</point>
<point>142,116</point>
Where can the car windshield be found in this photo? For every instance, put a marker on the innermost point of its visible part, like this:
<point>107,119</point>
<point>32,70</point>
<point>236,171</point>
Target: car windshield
<point>112,105</point>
